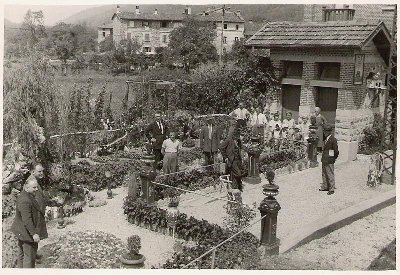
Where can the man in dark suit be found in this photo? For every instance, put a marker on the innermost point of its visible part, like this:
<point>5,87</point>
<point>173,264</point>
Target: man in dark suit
<point>28,225</point>
<point>330,153</point>
<point>156,133</point>
<point>209,140</point>
<point>230,150</point>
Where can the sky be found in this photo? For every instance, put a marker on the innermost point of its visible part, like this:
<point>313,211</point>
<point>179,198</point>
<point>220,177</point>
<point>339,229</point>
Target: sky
<point>52,14</point>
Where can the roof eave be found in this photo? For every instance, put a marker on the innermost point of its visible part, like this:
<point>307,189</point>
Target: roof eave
<point>275,46</point>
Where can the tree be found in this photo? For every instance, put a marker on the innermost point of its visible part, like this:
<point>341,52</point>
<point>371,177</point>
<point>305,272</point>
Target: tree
<point>31,101</point>
<point>107,44</point>
<point>192,43</point>
<point>99,107</point>
<point>33,27</point>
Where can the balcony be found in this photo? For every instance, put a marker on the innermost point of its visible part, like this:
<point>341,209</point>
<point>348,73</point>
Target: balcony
<point>338,14</point>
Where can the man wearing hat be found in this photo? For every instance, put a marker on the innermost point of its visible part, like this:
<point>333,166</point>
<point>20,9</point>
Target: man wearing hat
<point>209,140</point>
<point>330,153</point>
<point>156,133</point>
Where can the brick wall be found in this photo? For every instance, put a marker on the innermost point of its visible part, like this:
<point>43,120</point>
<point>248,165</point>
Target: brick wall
<point>363,12</point>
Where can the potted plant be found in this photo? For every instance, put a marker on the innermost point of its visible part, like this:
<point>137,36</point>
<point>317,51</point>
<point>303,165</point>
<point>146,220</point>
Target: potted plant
<point>173,196</point>
<point>132,257</point>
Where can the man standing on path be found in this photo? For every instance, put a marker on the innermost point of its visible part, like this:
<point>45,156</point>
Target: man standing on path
<point>156,133</point>
<point>329,155</point>
<point>28,225</point>
<point>209,140</point>
<point>320,122</point>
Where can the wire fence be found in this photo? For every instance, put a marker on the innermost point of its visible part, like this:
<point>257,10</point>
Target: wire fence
<point>214,249</point>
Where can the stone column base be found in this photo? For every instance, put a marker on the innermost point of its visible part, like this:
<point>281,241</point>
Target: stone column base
<point>271,249</point>
<point>347,150</point>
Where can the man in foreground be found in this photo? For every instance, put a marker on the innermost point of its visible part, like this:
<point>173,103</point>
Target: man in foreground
<point>330,153</point>
<point>28,225</point>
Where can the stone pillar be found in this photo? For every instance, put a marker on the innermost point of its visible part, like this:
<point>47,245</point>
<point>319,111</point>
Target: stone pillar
<point>132,185</point>
<point>307,93</point>
<point>254,152</point>
<point>147,177</point>
<point>269,207</point>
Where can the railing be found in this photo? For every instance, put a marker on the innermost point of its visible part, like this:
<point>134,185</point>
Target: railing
<point>214,249</point>
<point>338,14</point>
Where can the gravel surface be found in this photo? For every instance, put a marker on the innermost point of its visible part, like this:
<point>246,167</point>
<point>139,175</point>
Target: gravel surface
<point>299,197</point>
<point>156,247</point>
<point>354,246</point>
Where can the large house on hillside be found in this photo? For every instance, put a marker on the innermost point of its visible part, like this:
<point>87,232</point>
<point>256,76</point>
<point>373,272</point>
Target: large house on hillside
<point>333,61</point>
<point>152,30</point>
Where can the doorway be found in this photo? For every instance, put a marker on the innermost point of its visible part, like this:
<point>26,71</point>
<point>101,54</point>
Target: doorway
<point>291,100</point>
<point>327,101</point>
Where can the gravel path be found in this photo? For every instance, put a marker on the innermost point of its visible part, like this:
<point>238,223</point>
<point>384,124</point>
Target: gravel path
<point>299,197</point>
<point>354,246</point>
<point>110,218</point>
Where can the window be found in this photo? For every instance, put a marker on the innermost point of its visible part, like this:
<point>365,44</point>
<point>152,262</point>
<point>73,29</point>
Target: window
<point>132,24</point>
<point>145,23</point>
<point>147,49</point>
<point>146,37</point>
<point>237,27</point>
<point>225,26</point>
<point>164,24</point>
<point>236,38</point>
<point>129,36</point>
<point>293,69</point>
<point>329,71</point>
<point>104,34</point>
<point>164,38</point>
<point>224,39</point>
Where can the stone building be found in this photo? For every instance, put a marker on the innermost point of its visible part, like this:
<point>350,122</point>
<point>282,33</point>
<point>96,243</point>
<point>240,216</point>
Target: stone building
<point>336,65</point>
<point>104,31</point>
<point>152,30</point>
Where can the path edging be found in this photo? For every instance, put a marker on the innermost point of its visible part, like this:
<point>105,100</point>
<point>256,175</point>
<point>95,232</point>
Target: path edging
<point>326,225</point>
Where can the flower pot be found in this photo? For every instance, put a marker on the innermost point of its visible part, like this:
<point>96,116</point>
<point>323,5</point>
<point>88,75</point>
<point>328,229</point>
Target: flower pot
<point>132,262</point>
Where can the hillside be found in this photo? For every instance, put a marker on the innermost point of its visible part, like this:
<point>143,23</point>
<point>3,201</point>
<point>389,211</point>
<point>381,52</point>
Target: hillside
<point>258,13</point>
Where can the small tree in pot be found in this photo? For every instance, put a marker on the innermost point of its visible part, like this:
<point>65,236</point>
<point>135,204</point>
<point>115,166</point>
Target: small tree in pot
<point>133,257</point>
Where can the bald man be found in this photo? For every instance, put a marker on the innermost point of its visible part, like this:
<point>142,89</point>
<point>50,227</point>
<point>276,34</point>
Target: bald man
<point>28,225</point>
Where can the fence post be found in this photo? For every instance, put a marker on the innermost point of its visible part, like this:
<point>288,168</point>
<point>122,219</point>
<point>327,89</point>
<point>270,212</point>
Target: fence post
<point>213,259</point>
<point>270,207</point>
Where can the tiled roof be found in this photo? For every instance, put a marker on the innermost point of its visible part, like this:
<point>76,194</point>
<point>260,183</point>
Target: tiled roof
<point>151,16</point>
<point>314,34</point>
<point>106,26</point>
<point>216,16</point>
<point>211,16</point>
<point>251,28</point>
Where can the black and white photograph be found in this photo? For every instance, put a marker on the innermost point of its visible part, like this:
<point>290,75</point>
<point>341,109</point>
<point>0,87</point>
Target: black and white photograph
<point>199,135</point>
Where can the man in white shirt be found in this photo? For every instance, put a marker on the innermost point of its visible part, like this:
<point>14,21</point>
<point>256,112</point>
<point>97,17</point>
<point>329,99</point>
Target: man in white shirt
<point>241,114</point>
<point>258,121</point>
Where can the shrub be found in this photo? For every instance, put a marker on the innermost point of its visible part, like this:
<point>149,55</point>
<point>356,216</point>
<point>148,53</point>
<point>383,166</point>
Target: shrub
<point>9,249</point>
<point>8,205</point>
<point>93,176</point>
<point>371,137</point>
<point>134,244</point>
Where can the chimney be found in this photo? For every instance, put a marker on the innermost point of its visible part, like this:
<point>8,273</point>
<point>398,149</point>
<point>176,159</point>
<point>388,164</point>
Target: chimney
<point>238,13</point>
<point>188,10</point>
<point>118,10</point>
<point>250,21</point>
<point>204,13</point>
<point>155,11</point>
<point>137,11</point>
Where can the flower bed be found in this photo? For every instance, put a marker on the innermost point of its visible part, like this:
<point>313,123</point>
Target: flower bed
<point>9,249</point>
<point>188,156</point>
<point>93,176</point>
<point>237,253</point>
<point>83,250</point>
<point>189,180</point>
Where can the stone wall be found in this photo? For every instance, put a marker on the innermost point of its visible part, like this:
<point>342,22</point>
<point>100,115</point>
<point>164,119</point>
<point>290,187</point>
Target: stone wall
<point>120,28</point>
